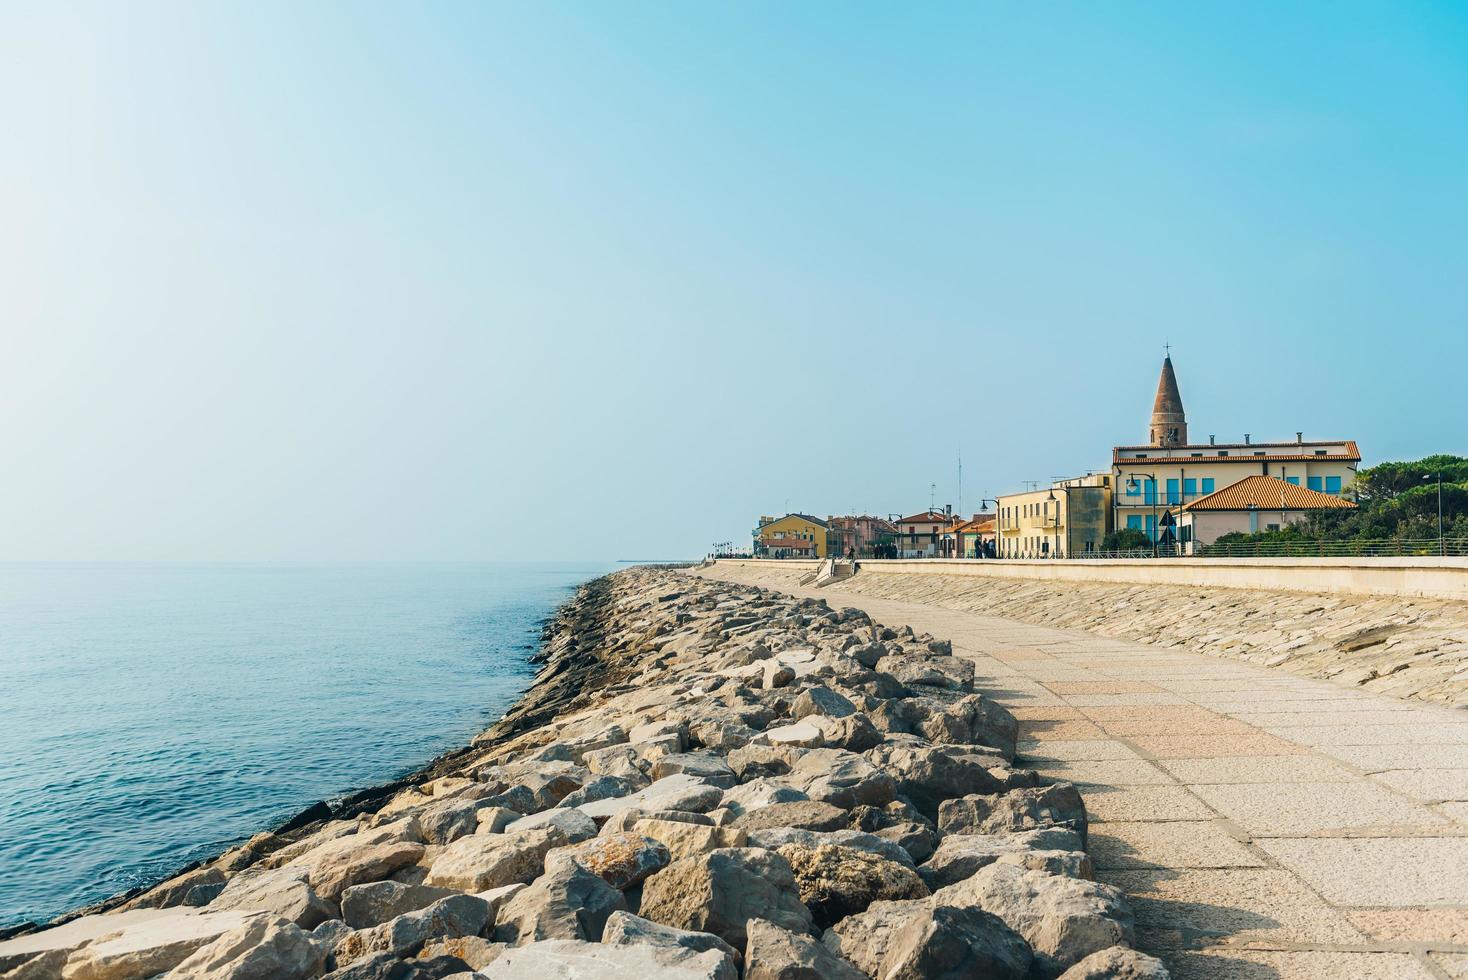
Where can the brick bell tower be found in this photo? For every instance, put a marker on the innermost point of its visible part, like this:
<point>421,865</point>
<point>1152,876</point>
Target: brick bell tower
<point>1169,424</point>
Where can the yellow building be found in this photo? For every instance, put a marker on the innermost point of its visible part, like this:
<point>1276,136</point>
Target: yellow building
<point>1153,482</point>
<point>791,536</point>
<point>1066,519</point>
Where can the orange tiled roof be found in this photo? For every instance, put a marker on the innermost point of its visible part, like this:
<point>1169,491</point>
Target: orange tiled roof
<point>1267,493</point>
<point>928,517</point>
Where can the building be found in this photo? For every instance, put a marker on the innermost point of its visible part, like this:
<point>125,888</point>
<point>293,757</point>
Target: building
<point>1253,504</point>
<point>918,535</point>
<point>1068,518</point>
<point>968,539</point>
<point>791,536</point>
<point>871,537</point>
<point>1153,482</point>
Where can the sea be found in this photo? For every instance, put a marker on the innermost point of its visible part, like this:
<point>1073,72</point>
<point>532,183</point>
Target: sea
<point>155,714</point>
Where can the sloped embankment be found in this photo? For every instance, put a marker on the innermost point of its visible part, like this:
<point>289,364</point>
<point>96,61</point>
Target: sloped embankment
<point>1406,648</point>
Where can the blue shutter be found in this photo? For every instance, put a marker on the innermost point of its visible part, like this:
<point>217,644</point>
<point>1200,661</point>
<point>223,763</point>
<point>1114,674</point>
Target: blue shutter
<point>1207,484</point>
<point>1172,491</point>
<point>1333,484</point>
<point>1312,482</point>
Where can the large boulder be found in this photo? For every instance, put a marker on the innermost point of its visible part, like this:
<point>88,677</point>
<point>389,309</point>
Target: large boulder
<point>374,903</point>
<point>775,838</point>
<point>759,792</point>
<point>264,948</point>
<point>684,840</point>
<point>804,814</point>
<point>927,775</point>
<point>285,892</point>
<point>626,929</point>
<point>722,890</point>
<point>705,766</point>
<point>569,902</point>
<point>602,961</point>
<point>146,946</point>
<point>973,720</point>
<point>835,881</point>
<point>821,701</point>
<point>1057,805</point>
<point>482,861</point>
<point>386,966</point>
<point>947,943</point>
<point>864,938</point>
<point>572,824</point>
<point>621,860</point>
<point>676,792</point>
<point>1063,919</point>
<point>958,856</point>
<point>1118,963</point>
<point>196,887</point>
<point>342,868</point>
<point>772,953</point>
<point>757,760</point>
<point>841,778</point>
<point>457,915</point>
<point>602,788</point>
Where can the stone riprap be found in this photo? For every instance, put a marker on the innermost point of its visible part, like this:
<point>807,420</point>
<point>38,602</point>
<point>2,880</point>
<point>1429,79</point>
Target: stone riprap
<point>706,781</point>
<point>1402,647</point>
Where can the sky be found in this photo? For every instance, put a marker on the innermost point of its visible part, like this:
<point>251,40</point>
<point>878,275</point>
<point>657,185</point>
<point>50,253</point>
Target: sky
<point>463,281</point>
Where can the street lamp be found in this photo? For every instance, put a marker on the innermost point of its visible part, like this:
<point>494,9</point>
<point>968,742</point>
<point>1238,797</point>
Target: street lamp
<point>1442,545</point>
<point>1131,485</point>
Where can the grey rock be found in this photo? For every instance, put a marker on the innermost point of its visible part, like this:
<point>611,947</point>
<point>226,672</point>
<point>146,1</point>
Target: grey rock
<point>376,902</point>
<point>841,778</point>
<point>626,929</point>
<point>600,961</point>
<point>482,861</point>
<point>864,938</point>
<point>285,892</point>
<point>494,819</point>
<point>705,766</point>
<point>754,761</point>
<point>835,882</point>
<point>927,775</point>
<point>179,890</point>
<point>958,856</point>
<point>600,788</point>
<point>1118,963</point>
<point>803,815</point>
<point>386,966</point>
<point>773,953</point>
<point>821,701</point>
<point>621,860</point>
<point>974,720</point>
<point>1063,919</point>
<point>1057,805</point>
<point>457,915</point>
<point>722,890</point>
<point>572,823</point>
<point>262,949</point>
<point>760,792</point>
<point>775,838</point>
<point>569,902</point>
<point>948,943</point>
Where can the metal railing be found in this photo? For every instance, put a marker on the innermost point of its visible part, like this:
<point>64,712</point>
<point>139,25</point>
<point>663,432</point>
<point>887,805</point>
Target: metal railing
<point>1383,548</point>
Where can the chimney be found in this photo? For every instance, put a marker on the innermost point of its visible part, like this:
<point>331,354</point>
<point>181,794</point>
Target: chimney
<point>1246,438</point>
<point>1213,440</point>
<point>1300,438</point>
<point>948,510</point>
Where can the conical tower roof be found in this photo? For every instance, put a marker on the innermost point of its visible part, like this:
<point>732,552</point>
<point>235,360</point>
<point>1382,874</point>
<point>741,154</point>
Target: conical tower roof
<point>1169,400</point>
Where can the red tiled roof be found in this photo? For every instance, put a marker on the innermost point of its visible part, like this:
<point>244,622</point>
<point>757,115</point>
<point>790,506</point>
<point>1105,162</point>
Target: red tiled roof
<point>1267,493</point>
<point>928,517</point>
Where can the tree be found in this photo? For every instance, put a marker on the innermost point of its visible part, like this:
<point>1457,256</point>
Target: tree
<point>1126,539</point>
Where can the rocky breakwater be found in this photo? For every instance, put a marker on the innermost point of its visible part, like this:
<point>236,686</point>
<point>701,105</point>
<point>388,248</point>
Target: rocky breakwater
<point>705,781</point>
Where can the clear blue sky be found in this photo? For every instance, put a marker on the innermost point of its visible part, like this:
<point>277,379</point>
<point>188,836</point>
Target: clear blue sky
<point>605,280</point>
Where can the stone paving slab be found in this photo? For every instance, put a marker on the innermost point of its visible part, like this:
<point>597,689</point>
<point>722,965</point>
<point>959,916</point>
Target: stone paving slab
<point>1265,825</point>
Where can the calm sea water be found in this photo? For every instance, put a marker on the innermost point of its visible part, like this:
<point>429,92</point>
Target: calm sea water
<point>154,714</point>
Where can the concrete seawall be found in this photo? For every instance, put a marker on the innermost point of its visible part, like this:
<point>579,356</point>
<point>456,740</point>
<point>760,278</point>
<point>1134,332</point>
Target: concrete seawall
<point>1427,578</point>
<point>1373,632</point>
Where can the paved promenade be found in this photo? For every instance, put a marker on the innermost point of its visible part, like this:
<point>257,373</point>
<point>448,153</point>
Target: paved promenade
<point>1265,825</point>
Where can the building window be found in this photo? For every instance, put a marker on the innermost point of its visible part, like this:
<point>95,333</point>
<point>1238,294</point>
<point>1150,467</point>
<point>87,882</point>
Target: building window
<point>1134,522</point>
<point>1190,489</point>
<point>1271,527</point>
<point>1151,527</point>
<point>1172,491</point>
<point>1149,492</point>
<point>1313,483</point>
<point>1207,484</point>
<point>1333,484</point>
<point>1320,452</point>
<point>1223,452</point>
<point>1293,481</point>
